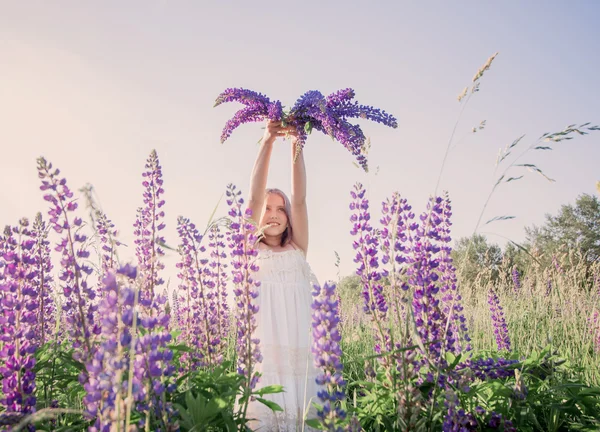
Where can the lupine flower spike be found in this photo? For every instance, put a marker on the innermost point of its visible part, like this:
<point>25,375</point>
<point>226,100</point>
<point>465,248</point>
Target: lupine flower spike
<point>312,110</point>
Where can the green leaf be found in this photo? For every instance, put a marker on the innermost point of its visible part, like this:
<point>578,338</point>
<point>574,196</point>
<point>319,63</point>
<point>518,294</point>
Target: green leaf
<point>314,423</point>
<point>308,127</point>
<point>514,178</point>
<point>270,404</point>
<point>275,388</point>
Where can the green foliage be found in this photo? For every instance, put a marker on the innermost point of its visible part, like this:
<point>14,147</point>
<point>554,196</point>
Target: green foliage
<point>473,255</point>
<point>210,401</point>
<point>574,227</point>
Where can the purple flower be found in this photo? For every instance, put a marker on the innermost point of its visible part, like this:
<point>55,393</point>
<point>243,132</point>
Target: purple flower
<point>200,322</point>
<point>487,368</point>
<point>367,251</point>
<point>327,354</point>
<point>43,279</point>
<point>516,279</point>
<point>108,242</point>
<point>79,307</point>
<point>311,111</point>
<point>132,355</point>
<point>457,419</point>
<point>18,319</point>
<point>498,321</point>
<point>243,253</point>
<point>147,230</point>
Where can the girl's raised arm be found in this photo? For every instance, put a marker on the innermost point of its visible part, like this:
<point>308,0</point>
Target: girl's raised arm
<point>298,200</point>
<point>258,180</point>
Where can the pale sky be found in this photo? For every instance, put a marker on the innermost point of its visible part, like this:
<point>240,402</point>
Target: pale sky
<point>95,86</point>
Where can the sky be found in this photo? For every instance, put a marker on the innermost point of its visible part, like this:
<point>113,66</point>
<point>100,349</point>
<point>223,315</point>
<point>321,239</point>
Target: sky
<point>94,87</point>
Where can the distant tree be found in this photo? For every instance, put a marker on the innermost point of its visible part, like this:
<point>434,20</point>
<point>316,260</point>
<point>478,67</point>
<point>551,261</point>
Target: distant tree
<point>472,255</point>
<point>574,227</point>
<point>349,289</point>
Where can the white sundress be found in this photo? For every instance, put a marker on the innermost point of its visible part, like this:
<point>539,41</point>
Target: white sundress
<point>284,329</point>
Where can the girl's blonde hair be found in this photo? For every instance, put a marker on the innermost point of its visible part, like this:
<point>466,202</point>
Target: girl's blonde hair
<point>287,235</point>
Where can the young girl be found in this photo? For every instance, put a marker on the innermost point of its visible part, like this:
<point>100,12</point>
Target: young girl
<point>283,319</point>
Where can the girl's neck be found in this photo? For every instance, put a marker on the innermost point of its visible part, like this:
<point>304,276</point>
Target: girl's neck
<point>272,242</point>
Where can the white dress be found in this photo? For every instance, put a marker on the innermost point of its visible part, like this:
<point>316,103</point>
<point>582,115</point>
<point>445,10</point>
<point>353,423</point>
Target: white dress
<point>285,333</point>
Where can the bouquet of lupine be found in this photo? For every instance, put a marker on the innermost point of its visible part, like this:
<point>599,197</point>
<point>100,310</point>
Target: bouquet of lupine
<point>312,110</point>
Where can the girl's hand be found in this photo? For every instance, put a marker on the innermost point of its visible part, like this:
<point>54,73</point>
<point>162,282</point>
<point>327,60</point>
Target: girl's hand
<point>274,130</point>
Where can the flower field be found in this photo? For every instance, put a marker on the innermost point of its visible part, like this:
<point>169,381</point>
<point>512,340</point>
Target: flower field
<point>92,343</point>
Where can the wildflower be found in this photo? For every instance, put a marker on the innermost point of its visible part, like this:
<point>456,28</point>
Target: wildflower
<point>147,230</point>
<point>245,287</point>
<point>46,313</point>
<point>312,110</point>
<point>516,279</point>
<point>327,354</point>
<point>498,321</point>
<point>80,308</point>
<point>19,300</point>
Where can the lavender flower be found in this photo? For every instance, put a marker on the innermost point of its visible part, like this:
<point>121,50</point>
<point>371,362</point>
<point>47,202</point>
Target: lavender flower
<point>19,299</point>
<point>500,327</point>
<point>327,354</point>
<point>242,239</point>
<point>80,308</point>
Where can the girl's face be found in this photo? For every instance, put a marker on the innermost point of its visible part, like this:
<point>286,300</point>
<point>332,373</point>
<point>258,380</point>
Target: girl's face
<point>274,217</point>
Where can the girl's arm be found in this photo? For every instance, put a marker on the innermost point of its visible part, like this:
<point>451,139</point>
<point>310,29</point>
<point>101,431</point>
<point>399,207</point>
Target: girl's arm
<point>298,200</point>
<point>258,180</point>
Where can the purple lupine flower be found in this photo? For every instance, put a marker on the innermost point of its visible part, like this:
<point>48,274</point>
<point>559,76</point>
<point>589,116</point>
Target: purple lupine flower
<point>487,368</point>
<point>424,278</point>
<point>46,313</point>
<point>200,327</point>
<point>516,279</point>
<point>218,266</point>
<point>131,356</point>
<point>311,111</point>
<point>497,421</point>
<point>193,333</point>
<point>147,230</point>
<point>245,290</point>
<point>327,355</point>
<point>79,307</point>
<point>107,234</point>
<point>257,108</point>
<point>108,367</point>
<point>457,337</point>
<point>18,319</point>
<point>498,321</point>
<point>367,248</point>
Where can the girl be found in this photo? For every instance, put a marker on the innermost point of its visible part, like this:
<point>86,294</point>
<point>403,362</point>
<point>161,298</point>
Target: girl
<point>283,319</point>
